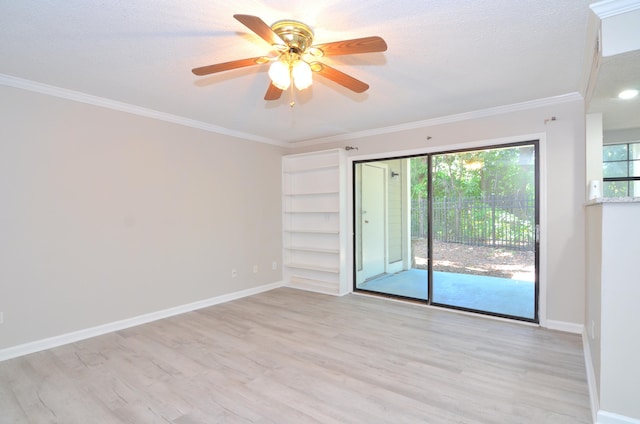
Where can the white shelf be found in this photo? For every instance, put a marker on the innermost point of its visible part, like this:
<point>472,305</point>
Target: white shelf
<point>312,267</point>
<point>314,221</point>
<point>313,249</point>
<point>310,169</point>
<point>316,193</point>
<point>310,231</point>
<point>313,284</point>
<point>311,212</point>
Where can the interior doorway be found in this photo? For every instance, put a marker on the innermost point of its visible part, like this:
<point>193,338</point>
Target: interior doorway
<point>464,235</point>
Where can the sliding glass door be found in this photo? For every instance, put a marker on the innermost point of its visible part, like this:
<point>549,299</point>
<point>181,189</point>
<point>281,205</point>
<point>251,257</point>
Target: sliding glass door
<point>455,229</point>
<point>484,217</point>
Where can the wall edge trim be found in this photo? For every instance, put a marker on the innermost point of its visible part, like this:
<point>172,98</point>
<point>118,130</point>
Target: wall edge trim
<point>591,377</point>
<point>608,8</point>
<point>567,327</point>
<point>89,99</point>
<point>87,333</point>
<point>605,417</point>
<point>498,110</point>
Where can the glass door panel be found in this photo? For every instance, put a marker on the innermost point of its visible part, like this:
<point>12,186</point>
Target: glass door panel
<point>484,230</point>
<point>385,258</point>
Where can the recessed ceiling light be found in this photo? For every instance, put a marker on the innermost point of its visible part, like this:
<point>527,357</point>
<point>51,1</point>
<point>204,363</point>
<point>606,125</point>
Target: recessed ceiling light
<point>628,94</point>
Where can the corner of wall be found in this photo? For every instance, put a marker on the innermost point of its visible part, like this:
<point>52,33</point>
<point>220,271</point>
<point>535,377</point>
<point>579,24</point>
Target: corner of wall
<point>567,327</point>
<point>594,397</point>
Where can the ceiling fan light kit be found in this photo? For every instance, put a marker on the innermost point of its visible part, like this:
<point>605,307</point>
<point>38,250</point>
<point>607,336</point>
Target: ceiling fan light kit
<point>295,62</point>
<point>280,75</point>
<point>290,67</point>
<point>301,73</point>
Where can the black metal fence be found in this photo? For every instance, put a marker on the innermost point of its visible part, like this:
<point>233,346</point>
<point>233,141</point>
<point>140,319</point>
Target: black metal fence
<point>507,222</point>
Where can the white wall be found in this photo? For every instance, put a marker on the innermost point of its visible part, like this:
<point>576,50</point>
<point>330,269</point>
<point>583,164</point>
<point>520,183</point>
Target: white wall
<point>106,215</point>
<point>620,33</point>
<point>612,304</point>
<point>593,310</point>
<point>627,135</point>
<point>564,157</point>
<point>593,144</point>
<point>620,289</point>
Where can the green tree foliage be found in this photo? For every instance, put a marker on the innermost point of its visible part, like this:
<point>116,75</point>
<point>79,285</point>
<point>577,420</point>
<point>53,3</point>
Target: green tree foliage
<point>419,177</point>
<point>484,195</point>
<point>476,174</point>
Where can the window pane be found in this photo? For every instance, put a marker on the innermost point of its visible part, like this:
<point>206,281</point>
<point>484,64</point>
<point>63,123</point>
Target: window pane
<point>614,169</point>
<point>614,152</point>
<point>635,189</point>
<point>615,188</point>
<point>634,168</point>
<point>634,151</point>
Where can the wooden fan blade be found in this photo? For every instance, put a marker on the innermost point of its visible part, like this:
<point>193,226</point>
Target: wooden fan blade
<point>273,93</point>
<point>357,45</point>
<point>227,66</point>
<point>258,26</point>
<point>341,78</point>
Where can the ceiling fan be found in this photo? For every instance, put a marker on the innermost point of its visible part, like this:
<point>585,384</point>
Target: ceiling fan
<point>297,56</point>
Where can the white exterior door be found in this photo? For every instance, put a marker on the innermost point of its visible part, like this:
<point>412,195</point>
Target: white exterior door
<point>373,220</point>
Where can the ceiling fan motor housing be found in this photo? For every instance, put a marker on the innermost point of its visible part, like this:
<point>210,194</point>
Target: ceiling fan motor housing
<point>297,36</point>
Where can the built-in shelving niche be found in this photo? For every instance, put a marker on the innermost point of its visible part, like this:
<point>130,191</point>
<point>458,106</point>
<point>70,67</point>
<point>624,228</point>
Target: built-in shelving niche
<point>314,222</point>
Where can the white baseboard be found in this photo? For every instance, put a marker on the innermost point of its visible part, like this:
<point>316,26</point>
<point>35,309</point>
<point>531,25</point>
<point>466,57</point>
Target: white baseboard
<point>51,342</point>
<point>591,377</point>
<point>605,417</point>
<point>567,327</point>
<point>599,416</point>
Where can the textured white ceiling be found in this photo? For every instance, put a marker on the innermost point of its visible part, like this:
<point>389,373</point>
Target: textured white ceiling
<point>617,73</point>
<point>444,58</point>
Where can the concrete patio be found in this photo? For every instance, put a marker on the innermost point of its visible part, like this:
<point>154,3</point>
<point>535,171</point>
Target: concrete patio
<point>497,295</point>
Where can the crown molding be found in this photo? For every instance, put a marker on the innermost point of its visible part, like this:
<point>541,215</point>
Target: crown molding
<point>499,110</point>
<point>162,116</point>
<point>129,108</point>
<point>608,8</point>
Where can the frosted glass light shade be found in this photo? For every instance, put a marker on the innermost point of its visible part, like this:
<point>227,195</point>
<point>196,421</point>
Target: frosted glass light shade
<point>279,74</point>
<point>301,74</point>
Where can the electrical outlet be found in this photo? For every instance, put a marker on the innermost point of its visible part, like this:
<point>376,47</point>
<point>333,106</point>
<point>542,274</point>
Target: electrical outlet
<point>234,273</point>
<point>255,269</point>
<point>274,265</point>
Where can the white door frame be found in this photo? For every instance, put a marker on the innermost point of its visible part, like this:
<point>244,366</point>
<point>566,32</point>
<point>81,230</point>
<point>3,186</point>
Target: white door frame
<point>543,219</point>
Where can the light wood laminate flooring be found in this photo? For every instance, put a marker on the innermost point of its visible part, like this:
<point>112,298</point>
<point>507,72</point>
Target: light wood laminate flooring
<point>290,356</point>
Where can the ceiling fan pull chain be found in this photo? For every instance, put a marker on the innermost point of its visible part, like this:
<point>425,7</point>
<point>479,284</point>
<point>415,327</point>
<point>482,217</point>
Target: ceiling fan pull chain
<point>292,101</point>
